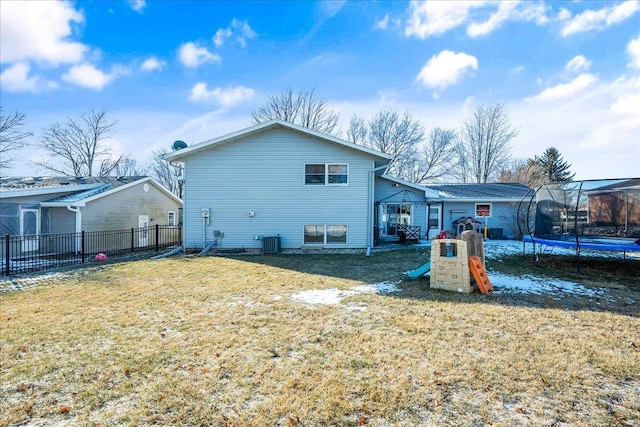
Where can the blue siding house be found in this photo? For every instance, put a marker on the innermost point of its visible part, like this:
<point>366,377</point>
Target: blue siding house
<point>277,179</point>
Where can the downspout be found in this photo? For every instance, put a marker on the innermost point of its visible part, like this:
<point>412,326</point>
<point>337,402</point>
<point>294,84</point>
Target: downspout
<point>428,219</point>
<point>78,225</point>
<point>370,205</point>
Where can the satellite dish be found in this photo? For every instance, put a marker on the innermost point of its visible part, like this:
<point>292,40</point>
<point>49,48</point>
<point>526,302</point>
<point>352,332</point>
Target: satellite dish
<point>179,145</point>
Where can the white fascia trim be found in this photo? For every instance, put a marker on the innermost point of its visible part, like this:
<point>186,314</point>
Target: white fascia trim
<point>176,155</point>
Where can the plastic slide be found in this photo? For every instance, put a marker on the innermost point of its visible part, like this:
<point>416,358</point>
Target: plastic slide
<point>420,271</point>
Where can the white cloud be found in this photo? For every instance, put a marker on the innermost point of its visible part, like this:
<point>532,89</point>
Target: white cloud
<point>88,76</point>
<point>509,10</point>
<point>225,97</point>
<point>17,78</point>
<point>565,90</point>
<point>598,19</point>
<point>480,29</point>
<point>191,55</point>
<point>245,31</point>
<point>138,5</point>
<point>432,18</point>
<point>330,8</point>
<point>445,69</point>
<point>241,29</point>
<point>382,24</point>
<point>578,63</point>
<point>634,53</point>
<point>152,64</point>
<point>221,35</point>
<point>40,31</point>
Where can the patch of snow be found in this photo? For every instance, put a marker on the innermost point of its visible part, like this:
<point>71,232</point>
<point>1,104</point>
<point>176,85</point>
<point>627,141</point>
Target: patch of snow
<point>496,249</point>
<point>529,284</point>
<point>334,296</point>
<point>355,307</point>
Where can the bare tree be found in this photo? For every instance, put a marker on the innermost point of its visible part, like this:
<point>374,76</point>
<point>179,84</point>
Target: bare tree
<point>129,166</point>
<point>434,159</point>
<point>484,144</point>
<point>168,174</point>
<point>357,131</point>
<point>304,109</point>
<point>12,137</point>
<point>527,172</point>
<point>80,146</point>
<point>397,136</point>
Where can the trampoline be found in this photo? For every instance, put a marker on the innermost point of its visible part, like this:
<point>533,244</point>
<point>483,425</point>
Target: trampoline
<point>594,214</point>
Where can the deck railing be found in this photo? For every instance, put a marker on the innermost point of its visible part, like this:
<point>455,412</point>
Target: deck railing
<point>44,251</point>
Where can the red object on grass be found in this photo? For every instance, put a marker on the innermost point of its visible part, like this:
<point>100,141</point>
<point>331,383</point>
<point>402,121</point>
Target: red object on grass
<point>101,257</point>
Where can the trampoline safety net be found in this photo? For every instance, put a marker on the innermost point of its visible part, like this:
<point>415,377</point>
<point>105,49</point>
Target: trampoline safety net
<point>589,210</point>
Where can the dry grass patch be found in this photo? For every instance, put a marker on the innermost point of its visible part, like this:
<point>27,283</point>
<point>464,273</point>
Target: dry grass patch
<point>220,341</point>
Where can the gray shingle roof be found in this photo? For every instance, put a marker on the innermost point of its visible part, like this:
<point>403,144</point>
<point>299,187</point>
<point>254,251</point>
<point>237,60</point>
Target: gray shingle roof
<point>479,191</point>
<point>76,188</point>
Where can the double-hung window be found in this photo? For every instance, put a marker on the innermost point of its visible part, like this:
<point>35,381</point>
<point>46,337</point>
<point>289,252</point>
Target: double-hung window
<point>325,234</point>
<point>326,174</point>
<point>171,218</point>
<point>483,210</point>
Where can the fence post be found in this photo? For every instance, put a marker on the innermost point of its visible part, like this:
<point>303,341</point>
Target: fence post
<point>82,244</point>
<point>157,237</point>
<point>132,248</point>
<point>7,256</point>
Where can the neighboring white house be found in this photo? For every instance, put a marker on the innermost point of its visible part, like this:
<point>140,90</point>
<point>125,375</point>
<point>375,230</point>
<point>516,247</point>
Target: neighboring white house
<point>277,179</point>
<point>37,206</point>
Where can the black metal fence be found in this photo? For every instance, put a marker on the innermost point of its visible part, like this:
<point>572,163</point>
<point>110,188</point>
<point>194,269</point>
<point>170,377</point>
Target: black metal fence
<point>43,251</point>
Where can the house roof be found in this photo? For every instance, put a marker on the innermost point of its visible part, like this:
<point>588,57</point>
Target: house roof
<point>621,184</point>
<point>179,155</point>
<point>75,191</point>
<point>476,192</point>
<point>399,181</point>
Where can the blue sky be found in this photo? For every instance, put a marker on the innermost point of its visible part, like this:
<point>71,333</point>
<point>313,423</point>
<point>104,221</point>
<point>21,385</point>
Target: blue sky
<point>568,72</point>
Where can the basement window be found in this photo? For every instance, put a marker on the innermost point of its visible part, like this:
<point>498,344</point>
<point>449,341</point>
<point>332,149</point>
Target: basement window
<point>325,234</point>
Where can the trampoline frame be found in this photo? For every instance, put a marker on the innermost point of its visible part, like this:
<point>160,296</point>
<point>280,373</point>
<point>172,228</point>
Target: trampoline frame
<point>577,241</point>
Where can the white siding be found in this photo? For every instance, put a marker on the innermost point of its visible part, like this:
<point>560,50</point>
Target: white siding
<point>264,173</point>
<point>120,210</point>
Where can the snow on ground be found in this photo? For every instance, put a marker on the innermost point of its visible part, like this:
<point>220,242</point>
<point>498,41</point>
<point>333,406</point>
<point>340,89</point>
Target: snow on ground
<point>529,284</point>
<point>502,283</point>
<point>334,296</point>
<point>495,249</point>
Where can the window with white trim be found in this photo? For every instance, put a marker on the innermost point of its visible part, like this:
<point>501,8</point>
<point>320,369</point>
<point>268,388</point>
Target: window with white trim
<point>326,174</point>
<point>171,218</point>
<point>319,234</point>
<point>483,210</point>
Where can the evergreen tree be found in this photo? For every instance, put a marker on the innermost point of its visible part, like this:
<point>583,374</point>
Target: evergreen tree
<point>555,168</point>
